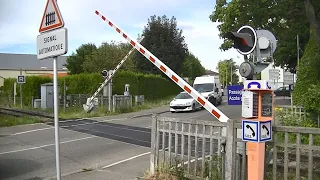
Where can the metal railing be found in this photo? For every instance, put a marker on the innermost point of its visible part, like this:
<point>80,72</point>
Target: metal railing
<point>215,150</point>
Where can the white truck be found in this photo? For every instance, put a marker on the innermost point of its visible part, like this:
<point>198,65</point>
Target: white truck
<point>209,87</point>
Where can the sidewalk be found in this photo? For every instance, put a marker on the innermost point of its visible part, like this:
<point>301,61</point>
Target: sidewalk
<point>127,170</point>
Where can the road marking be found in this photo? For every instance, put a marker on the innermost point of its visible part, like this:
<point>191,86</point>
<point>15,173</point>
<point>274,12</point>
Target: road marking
<point>89,123</point>
<point>125,137</point>
<point>130,129</point>
<point>43,146</point>
<point>52,127</point>
<point>125,160</point>
<point>35,130</point>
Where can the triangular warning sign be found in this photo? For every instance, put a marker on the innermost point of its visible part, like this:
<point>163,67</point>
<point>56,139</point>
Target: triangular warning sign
<point>51,18</point>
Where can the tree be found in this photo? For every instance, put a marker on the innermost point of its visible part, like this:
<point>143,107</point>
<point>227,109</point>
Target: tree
<point>313,15</point>
<point>309,78</point>
<point>165,41</point>
<point>226,68</point>
<point>192,67</point>
<point>288,20</point>
<point>108,56</point>
<point>76,60</point>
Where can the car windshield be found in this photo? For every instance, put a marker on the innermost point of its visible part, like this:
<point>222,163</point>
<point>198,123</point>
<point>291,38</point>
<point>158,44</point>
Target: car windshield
<point>183,96</point>
<point>203,87</point>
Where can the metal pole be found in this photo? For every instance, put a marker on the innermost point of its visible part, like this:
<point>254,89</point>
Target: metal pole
<point>231,74</point>
<point>14,92</point>
<point>226,76</point>
<point>298,53</point>
<point>110,95</point>
<point>56,119</point>
<point>20,90</point>
<point>64,95</point>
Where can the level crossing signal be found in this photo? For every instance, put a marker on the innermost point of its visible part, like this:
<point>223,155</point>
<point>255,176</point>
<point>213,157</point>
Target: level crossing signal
<point>244,40</point>
<point>104,73</point>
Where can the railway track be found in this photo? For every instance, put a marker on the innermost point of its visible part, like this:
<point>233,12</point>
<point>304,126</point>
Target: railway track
<point>24,113</point>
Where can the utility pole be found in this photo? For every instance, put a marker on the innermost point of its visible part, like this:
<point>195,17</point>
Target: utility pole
<point>231,74</point>
<point>298,53</point>
<point>20,90</point>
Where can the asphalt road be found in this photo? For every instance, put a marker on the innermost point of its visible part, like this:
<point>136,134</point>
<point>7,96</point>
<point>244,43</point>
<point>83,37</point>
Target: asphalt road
<point>113,144</point>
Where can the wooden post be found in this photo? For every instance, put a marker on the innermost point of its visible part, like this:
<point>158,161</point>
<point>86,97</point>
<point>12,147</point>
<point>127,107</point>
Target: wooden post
<point>230,151</point>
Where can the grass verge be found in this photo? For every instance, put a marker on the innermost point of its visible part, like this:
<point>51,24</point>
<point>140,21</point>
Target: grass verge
<point>7,120</point>
<point>78,112</point>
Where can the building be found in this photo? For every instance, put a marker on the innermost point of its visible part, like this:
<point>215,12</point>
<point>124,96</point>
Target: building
<point>211,73</point>
<point>11,65</point>
<point>285,78</point>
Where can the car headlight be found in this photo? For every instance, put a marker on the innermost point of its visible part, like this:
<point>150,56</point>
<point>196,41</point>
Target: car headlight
<point>188,103</point>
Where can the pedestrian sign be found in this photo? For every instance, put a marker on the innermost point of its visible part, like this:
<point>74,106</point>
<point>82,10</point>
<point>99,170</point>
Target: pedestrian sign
<point>51,18</point>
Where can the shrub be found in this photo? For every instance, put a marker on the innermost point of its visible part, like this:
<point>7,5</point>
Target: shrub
<point>152,86</point>
<point>29,89</point>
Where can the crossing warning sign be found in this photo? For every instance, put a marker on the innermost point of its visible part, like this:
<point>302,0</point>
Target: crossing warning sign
<point>51,18</point>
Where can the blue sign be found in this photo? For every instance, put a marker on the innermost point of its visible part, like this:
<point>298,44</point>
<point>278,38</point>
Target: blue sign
<point>254,83</point>
<point>250,130</point>
<point>21,79</point>
<point>265,131</point>
<point>235,95</point>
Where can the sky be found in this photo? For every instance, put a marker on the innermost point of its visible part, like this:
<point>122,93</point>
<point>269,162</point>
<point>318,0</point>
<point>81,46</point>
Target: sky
<point>20,21</point>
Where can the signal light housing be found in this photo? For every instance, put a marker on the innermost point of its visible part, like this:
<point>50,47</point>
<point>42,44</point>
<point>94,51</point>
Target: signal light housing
<point>104,73</point>
<point>244,40</point>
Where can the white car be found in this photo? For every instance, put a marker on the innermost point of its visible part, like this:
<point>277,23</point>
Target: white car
<point>184,102</point>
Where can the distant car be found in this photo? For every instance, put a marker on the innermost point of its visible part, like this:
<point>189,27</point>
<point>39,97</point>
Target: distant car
<point>284,91</point>
<point>184,102</point>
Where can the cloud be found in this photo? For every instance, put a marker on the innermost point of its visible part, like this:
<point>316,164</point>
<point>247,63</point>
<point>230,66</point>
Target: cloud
<point>20,21</point>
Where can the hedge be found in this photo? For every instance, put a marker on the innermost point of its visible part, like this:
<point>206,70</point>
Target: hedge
<point>151,86</point>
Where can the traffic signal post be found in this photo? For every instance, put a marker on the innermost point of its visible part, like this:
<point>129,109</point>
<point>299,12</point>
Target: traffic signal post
<point>257,95</point>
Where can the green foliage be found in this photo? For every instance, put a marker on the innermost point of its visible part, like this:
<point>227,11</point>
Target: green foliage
<point>7,120</point>
<point>192,67</point>
<point>152,86</point>
<point>165,41</point>
<point>107,56</point>
<point>306,91</point>
<point>288,21</point>
<point>224,67</point>
<point>29,89</point>
<point>289,119</point>
<point>76,60</point>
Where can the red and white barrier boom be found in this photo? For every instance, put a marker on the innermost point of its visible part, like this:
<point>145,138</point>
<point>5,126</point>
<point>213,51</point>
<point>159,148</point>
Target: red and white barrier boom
<point>179,81</point>
<point>88,107</point>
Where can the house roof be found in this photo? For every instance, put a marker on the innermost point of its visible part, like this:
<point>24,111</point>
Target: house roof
<point>209,72</point>
<point>29,62</point>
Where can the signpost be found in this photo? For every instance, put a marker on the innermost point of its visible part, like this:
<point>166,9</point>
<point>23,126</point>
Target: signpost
<point>235,95</point>
<point>21,80</point>
<point>52,42</point>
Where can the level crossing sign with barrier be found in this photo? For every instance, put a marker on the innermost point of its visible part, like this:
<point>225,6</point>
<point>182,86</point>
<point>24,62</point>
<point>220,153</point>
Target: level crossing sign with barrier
<point>166,70</point>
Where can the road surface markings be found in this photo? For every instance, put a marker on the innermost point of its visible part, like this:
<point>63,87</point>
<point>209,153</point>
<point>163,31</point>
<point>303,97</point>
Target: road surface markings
<point>43,146</point>
<point>35,130</point>
<point>116,136</point>
<point>66,126</point>
<point>125,160</point>
<point>131,129</point>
